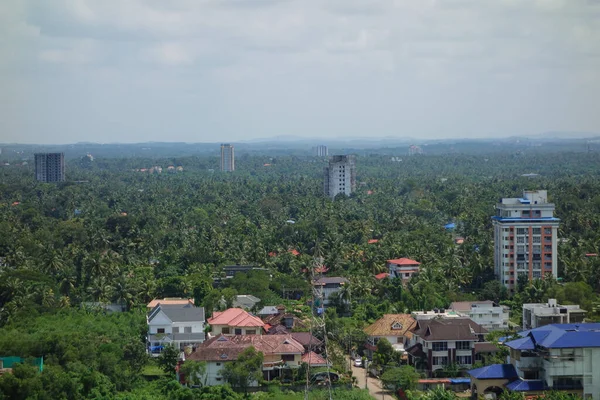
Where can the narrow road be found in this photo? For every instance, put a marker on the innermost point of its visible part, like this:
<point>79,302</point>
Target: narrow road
<point>373,385</point>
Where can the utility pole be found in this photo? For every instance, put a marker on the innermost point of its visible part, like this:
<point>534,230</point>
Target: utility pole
<point>366,373</point>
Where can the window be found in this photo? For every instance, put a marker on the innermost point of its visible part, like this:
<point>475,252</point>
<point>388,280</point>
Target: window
<point>463,345</point>
<point>537,239</point>
<point>522,231</point>
<point>464,360</point>
<point>175,329</point>
<point>225,331</point>
<point>218,364</point>
<point>439,346</point>
<point>238,331</point>
<point>537,248</point>
<point>160,330</point>
<point>547,231</point>
<point>537,274</point>
<point>440,360</point>
<point>250,331</point>
<point>187,329</point>
<point>520,239</point>
<point>537,231</point>
<point>287,357</point>
<point>520,248</point>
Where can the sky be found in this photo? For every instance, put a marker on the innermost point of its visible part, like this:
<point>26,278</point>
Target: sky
<point>232,70</point>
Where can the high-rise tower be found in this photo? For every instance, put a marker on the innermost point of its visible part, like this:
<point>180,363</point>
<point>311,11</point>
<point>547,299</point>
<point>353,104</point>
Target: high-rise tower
<point>525,238</point>
<point>50,167</point>
<point>227,158</point>
<point>339,176</point>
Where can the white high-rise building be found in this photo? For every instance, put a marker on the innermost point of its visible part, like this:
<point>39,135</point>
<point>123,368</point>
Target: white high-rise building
<point>227,158</point>
<point>525,236</point>
<point>321,151</point>
<point>339,176</point>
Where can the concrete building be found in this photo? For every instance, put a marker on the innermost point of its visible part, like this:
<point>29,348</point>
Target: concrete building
<point>321,151</point>
<point>540,314</point>
<point>50,167</point>
<point>561,357</point>
<point>525,237</point>
<point>339,176</point>
<point>436,343</point>
<point>487,314</point>
<point>326,287</point>
<point>227,158</point>
<point>403,268</point>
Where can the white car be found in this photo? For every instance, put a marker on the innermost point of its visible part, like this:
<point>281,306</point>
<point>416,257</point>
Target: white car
<point>358,362</point>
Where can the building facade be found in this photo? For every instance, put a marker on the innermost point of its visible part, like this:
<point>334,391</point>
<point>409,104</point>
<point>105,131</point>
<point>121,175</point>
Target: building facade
<point>227,158</point>
<point>540,314</point>
<point>339,176</point>
<point>403,268</point>
<point>525,238</point>
<point>487,314</point>
<point>50,167</point>
<point>175,325</point>
<point>321,151</point>
<point>326,287</point>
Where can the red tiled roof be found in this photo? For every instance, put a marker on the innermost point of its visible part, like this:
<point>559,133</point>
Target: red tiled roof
<point>591,255</point>
<point>313,359</point>
<point>235,317</point>
<point>294,252</point>
<point>371,241</point>
<point>272,254</point>
<point>404,261</point>
<point>434,380</point>
<point>382,275</point>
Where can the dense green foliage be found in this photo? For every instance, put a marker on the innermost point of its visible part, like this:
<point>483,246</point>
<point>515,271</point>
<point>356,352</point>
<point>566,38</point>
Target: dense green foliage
<point>126,237</point>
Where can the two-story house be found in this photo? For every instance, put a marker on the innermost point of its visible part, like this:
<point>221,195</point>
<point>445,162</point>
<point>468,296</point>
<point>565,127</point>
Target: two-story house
<point>439,342</point>
<point>403,268</point>
<point>486,313</point>
<point>562,357</point>
<point>235,321</point>
<point>279,352</point>
<point>396,328</point>
<point>328,286</point>
<point>176,325</point>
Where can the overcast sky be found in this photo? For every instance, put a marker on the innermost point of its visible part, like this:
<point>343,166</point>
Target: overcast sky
<point>227,70</point>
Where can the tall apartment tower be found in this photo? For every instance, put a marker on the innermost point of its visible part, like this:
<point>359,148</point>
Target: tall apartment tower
<point>227,158</point>
<point>321,151</point>
<point>50,167</point>
<point>525,236</point>
<point>339,176</point>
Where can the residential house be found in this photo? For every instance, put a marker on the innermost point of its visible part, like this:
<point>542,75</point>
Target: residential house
<point>231,270</point>
<point>281,352</point>
<point>403,268</point>
<point>176,325</point>
<point>486,313</point>
<point>540,314</point>
<point>562,357</point>
<point>435,313</point>
<point>245,301</point>
<point>327,286</point>
<point>306,339</point>
<point>439,342</point>
<point>396,328</point>
<point>169,301</point>
<point>288,320</point>
<point>235,321</point>
<point>267,311</point>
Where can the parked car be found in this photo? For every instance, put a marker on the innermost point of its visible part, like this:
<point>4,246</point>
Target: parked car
<point>358,362</point>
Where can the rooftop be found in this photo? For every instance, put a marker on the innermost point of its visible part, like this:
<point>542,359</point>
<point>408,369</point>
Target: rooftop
<point>403,261</point>
<point>465,306</point>
<point>495,371</point>
<point>235,317</point>
<point>169,301</point>
<point>559,336</point>
<point>227,348</point>
<point>392,325</point>
<point>179,313</point>
<point>448,329</point>
<point>333,279</point>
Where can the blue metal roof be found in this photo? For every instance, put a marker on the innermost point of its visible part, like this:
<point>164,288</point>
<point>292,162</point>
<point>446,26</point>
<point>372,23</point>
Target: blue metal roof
<point>495,371</point>
<point>458,381</point>
<point>558,336</point>
<point>525,201</point>
<point>526,386</point>
<point>450,226</point>
<point>542,219</point>
<point>521,344</point>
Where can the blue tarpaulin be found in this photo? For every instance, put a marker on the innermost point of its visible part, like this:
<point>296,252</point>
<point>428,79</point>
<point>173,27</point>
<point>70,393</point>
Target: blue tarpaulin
<point>451,225</point>
<point>458,381</point>
<point>154,348</point>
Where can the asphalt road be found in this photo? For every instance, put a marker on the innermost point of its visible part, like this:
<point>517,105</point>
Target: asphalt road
<point>373,385</point>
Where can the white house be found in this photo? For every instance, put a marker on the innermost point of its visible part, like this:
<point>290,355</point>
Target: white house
<point>328,286</point>
<point>485,313</point>
<point>176,325</point>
